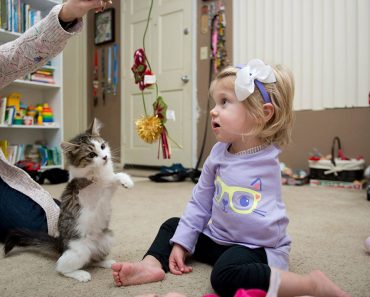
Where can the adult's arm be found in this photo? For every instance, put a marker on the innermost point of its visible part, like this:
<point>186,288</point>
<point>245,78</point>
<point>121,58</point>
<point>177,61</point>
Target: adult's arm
<point>35,47</point>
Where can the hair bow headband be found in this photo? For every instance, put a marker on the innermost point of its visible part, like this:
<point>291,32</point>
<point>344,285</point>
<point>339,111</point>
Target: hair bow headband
<point>255,73</point>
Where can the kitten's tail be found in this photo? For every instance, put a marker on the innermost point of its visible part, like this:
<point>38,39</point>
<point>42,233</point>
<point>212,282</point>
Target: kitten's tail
<point>31,238</point>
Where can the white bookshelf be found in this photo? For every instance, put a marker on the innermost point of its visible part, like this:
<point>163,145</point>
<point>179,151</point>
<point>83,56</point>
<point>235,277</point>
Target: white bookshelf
<point>33,93</point>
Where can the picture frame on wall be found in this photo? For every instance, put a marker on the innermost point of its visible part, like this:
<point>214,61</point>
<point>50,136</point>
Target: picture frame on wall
<point>104,26</point>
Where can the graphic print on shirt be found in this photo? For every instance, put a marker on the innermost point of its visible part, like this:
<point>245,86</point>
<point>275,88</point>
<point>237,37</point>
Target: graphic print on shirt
<point>238,199</point>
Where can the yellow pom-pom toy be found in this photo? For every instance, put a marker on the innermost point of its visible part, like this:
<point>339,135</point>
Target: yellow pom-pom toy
<point>149,128</point>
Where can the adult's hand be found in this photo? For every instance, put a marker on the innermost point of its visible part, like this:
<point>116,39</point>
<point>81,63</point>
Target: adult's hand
<point>74,9</point>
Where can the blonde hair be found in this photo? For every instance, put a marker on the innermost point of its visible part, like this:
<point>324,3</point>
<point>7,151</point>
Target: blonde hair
<point>278,128</point>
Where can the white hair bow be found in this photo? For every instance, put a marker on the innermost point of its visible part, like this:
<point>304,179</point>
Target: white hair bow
<point>245,77</point>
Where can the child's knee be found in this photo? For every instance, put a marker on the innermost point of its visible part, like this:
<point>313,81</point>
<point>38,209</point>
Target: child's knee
<point>220,281</point>
<point>171,223</point>
<point>227,279</point>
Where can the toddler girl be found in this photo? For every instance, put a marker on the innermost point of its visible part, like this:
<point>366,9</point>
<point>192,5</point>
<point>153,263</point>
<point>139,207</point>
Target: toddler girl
<point>236,220</point>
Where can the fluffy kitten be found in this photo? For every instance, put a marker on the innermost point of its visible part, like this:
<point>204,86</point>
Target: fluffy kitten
<point>85,210</point>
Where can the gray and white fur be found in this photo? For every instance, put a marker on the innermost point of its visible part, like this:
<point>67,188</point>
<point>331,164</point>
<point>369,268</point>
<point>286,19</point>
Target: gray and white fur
<point>83,225</point>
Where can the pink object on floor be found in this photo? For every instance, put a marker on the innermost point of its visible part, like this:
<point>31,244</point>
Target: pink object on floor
<point>250,293</point>
<point>245,293</point>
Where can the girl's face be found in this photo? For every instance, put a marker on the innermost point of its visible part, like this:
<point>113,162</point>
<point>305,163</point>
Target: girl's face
<point>229,117</point>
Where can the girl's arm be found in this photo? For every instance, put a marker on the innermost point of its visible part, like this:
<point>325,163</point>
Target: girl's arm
<point>198,211</point>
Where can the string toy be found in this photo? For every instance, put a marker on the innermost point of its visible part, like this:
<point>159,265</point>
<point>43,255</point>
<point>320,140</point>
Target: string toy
<point>218,40</point>
<point>151,127</point>
<point>217,24</point>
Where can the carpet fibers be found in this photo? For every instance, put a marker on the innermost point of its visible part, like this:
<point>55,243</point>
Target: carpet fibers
<point>328,228</point>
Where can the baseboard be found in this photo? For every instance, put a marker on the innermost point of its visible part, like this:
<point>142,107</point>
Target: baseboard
<point>141,167</point>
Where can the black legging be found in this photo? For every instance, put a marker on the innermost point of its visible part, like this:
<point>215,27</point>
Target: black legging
<point>234,266</point>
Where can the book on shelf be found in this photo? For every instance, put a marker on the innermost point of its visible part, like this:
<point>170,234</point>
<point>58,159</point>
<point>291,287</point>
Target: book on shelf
<point>17,16</point>
<point>45,74</point>
<point>41,154</point>
<point>9,115</point>
<point>12,151</point>
<point>42,78</point>
<point>3,101</point>
<point>4,147</point>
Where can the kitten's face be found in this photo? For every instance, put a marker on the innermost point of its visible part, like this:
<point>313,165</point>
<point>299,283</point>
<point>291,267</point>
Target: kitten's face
<point>87,149</point>
<point>88,152</point>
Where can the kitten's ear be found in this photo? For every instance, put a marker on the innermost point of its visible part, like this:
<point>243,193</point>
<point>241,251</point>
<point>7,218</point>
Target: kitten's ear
<point>68,147</point>
<point>95,127</point>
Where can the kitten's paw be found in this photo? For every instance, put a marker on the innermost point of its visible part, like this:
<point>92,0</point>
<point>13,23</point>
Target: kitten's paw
<point>105,264</point>
<point>80,275</point>
<point>125,180</point>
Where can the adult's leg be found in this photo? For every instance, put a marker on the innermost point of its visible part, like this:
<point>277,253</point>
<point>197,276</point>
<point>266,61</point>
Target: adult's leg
<point>240,267</point>
<point>18,211</point>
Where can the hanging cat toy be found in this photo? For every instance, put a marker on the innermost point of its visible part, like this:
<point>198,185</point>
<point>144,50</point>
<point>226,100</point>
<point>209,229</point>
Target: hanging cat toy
<point>151,127</point>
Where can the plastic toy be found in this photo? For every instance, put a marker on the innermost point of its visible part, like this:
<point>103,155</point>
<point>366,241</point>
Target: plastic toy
<point>17,118</point>
<point>28,120</point>
<point>39,114</point>
<point>14,99</point>
<point>32,112</point>
<point>47,114</point>
<point>28,166</point>
<point>245,293</point>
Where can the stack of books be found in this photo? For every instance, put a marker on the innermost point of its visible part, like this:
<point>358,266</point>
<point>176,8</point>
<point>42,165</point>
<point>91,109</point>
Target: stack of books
<point>44,74</point>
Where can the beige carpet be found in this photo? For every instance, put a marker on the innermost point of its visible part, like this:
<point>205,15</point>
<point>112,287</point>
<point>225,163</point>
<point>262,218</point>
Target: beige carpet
<point>328,228</point>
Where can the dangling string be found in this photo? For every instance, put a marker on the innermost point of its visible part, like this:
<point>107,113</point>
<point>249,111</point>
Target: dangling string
<point>115,68</point>
<point>103,82</point>
<point>151,128</point>
<point>213,18</point>
<point>95,78</point>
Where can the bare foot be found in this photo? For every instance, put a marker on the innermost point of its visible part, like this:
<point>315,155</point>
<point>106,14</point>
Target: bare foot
<point>126,274</point>
<point>324,287</point>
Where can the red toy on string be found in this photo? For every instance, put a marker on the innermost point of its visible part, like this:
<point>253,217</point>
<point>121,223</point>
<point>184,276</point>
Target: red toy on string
<point>139,66</point>
<point>150,128</point>
<point>140,69</point>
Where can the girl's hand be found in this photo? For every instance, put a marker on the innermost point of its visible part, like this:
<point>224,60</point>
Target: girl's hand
<point>74,9</point>
<point>177,260</point>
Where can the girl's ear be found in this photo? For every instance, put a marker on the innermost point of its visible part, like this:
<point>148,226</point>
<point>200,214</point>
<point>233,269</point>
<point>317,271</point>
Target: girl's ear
<point>268,110</point>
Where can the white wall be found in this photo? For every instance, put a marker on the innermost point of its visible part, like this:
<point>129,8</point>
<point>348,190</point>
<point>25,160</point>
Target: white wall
<point>326,43</point>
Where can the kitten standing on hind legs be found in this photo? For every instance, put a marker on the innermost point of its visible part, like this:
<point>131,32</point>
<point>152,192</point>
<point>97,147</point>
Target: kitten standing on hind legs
<point>85,211</point>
